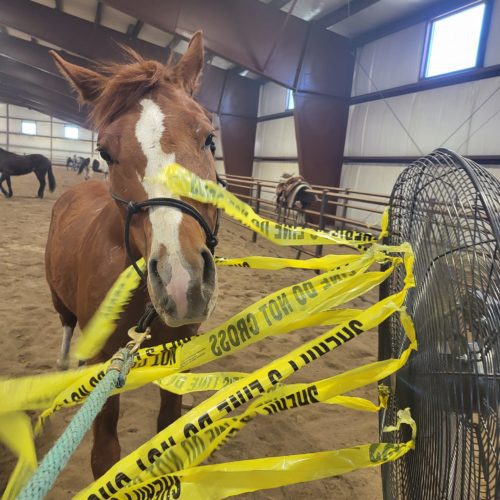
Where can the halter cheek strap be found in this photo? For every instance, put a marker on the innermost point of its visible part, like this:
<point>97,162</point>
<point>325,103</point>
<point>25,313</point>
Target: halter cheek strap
<point>135,207</point>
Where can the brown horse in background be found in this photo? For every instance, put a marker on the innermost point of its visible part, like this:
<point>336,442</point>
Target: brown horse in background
<point>14,164</point>
<point>146,118</point>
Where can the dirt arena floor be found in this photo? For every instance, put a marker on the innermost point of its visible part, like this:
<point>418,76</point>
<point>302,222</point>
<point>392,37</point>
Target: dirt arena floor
<point>30,336</point>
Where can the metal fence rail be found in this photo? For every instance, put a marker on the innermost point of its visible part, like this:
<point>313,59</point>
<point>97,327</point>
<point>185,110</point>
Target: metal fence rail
<point>330,211</point>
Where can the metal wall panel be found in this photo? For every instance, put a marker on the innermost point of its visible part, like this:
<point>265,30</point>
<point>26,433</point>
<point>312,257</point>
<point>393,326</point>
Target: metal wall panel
<point>40,143</point>
<point>276,138</point>
<point>430,117</point>
<point>391,61</point>
<point>272,99</point>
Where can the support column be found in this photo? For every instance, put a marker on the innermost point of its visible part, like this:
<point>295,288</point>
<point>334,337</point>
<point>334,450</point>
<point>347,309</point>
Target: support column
<point>320,129</point>
<point>238,123</point>
<point>323,88</point>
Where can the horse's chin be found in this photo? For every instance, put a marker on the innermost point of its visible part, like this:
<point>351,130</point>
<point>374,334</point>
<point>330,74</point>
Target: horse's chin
<point>177,323</point>
<point>161,304</point>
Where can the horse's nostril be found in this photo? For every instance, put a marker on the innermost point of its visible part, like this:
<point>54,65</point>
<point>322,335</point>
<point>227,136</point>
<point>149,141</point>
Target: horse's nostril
<point>208,266</point>
<point>153,268</point>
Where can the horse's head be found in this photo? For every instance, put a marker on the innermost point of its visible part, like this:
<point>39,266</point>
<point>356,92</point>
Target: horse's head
<point>146,118</point>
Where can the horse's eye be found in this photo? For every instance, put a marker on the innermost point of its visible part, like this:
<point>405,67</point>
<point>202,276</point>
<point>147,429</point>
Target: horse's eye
<point>209,140</point>
<point>105,156</point>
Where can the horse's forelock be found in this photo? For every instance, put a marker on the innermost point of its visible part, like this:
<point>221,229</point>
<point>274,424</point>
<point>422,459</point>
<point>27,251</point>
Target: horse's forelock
<point>126,85</point>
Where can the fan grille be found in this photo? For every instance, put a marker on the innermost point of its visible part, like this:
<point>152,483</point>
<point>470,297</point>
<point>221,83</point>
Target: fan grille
<point>448,208</point>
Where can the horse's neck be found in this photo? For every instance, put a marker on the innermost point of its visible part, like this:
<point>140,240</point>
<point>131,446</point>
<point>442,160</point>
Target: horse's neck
<point>4,153</point>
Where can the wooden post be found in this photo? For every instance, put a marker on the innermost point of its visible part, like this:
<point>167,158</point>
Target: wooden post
<point>343,209</point>
<point>7,130</point>
<point>324,205</point>
<point>257,207</point>
<point>51,138</point>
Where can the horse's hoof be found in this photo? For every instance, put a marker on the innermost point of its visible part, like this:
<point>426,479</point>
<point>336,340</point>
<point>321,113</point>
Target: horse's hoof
<point>62,364</point>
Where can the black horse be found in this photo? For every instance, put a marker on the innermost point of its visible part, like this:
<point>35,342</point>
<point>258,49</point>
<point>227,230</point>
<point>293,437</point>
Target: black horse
<point>13,164</point>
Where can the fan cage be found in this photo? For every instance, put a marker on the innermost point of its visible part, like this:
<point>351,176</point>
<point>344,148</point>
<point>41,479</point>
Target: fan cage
<point>448,208</point>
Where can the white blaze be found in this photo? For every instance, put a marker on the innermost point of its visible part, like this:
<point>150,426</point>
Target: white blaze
<point>165,221</point>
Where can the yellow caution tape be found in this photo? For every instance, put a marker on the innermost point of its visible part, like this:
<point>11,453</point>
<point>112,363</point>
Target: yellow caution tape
<point>196,448</point>
<point>200,431</point>
<point>185,183</point>
<point>234,478</point>
<point>279,312</point>
<point>325,263</point>
<point>228,399</point>
<point>17,435</point>
<point>36,392</point>
<point>103,323</point>
<point>185,383</point>
<point>384,224</point>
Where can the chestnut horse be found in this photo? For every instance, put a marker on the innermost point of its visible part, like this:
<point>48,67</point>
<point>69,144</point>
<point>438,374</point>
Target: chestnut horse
<point>146,118</point>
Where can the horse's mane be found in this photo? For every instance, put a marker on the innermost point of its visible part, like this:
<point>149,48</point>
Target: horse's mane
<point>126,84</point>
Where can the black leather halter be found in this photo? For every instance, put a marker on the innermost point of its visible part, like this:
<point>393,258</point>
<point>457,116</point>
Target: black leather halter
<point>135,207</point>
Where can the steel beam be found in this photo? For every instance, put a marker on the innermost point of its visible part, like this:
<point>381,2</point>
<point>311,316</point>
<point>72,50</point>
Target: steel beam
<point>57,101</point>
<point>14,49</point>
<point>243,32</point>
<point>36,77</point>
<point>12,14</point>
<point>36,56</point>
<point>351,8</point>
<point>278,4</point>
<point>73,33</point>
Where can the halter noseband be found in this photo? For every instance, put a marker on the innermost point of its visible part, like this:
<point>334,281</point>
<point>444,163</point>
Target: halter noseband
<point>135,207</point>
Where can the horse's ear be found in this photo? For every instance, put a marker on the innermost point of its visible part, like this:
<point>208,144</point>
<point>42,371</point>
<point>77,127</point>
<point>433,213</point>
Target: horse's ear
<point>187,70</point>
<point>88,83</point>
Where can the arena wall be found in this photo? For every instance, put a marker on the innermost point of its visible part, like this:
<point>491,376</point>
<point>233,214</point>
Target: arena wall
<point>49,139</point>
<point>430,116</point>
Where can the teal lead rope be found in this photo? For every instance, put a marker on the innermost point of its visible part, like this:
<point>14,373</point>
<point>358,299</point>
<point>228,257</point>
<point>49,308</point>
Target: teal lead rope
<point>56,459</point>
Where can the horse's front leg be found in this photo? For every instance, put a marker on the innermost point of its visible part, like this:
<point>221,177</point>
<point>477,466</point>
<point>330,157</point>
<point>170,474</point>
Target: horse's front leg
<point>9,185</point>
<point>4,177</point>
<point>170,409</point>
<point>41,179</point>
<point>106,448</point>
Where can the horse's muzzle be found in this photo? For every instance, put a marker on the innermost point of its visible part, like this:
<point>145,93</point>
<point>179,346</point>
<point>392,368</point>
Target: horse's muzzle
<point>183,292</point>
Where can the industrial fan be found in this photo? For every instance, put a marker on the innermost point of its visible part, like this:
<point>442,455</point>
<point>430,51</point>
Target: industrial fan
<point>448,208</point>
